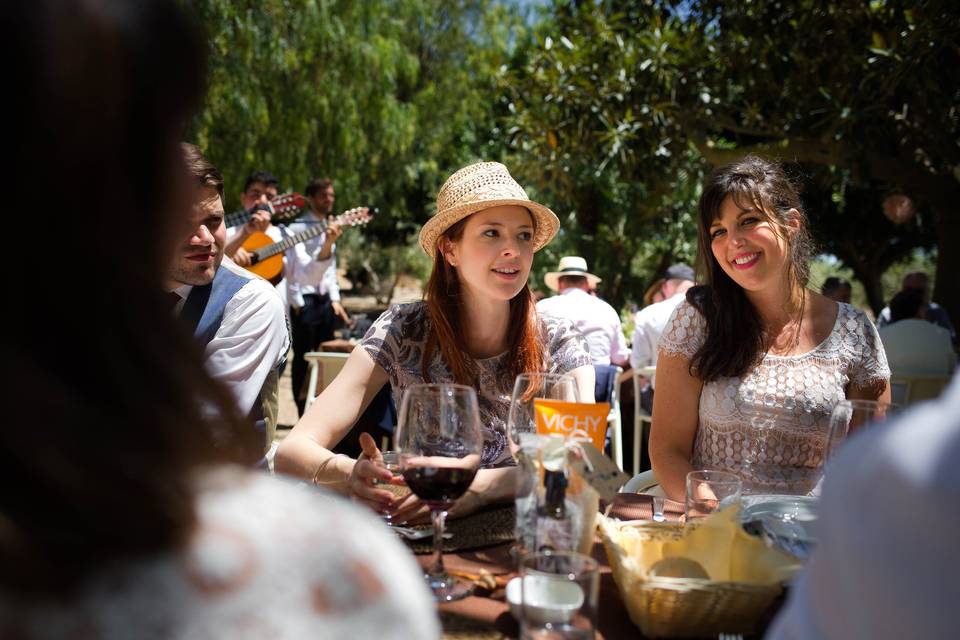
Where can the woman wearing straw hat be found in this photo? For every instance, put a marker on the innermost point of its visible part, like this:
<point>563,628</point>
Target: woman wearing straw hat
<point>476,326</point>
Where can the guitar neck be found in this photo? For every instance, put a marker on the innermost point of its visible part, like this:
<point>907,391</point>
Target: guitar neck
<point>279,247</point>
<point>237,218</point>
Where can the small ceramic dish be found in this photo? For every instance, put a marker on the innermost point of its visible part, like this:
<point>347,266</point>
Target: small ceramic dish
<point>549,599</point>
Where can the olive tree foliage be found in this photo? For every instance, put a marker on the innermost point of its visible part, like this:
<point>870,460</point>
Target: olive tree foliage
<point>864,95</point>
<point>615,110</point>
<point>386,98</point>
<point>589,112</point>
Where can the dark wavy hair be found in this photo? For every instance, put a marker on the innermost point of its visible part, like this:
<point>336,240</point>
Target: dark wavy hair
<point>106,393</point>
<point>444,308</point>
<point>734,332</point>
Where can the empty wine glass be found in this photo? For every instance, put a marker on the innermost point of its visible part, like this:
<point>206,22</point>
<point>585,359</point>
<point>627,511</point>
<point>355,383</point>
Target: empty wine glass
<point>439,441</point>
<point>850,416</point>
<point>528,387</point>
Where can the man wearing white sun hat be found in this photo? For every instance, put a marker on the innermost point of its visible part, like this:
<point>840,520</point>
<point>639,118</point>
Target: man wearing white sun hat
<point>596,320</point>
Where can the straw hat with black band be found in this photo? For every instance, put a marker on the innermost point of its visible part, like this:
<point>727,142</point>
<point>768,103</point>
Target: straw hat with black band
<point>481,186</point>
<point>570,266</point>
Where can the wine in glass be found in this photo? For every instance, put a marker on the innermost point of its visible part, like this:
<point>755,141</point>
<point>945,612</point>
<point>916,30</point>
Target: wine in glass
<point>439,441</point>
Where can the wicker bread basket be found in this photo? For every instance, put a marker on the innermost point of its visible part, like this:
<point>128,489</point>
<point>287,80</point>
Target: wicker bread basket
<point>693,607</point>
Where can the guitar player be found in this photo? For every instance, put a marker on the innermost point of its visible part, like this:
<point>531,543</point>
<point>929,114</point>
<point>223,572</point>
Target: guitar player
<point>259,189</point>
<point>312,291</point>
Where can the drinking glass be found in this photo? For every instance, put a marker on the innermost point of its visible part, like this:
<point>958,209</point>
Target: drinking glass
<point>439,441</point>
<point>709,491</point>
<point>524,442</point>
<point>396,486</point>
<point>522,418</point>
<point>558,595</point>
<point>849,416</point>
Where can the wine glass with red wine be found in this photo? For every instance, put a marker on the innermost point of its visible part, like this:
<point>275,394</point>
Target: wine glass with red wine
<point>439,442</point>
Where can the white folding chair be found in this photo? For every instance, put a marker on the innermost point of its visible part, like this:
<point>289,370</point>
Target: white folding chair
<point>906,388</point>
<point>644,482</point>
<point>640,415</point>
<point>324,367</point>
<point>614,423</point>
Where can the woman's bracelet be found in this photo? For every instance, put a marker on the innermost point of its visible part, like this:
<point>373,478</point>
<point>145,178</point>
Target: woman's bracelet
<point>323,466</point>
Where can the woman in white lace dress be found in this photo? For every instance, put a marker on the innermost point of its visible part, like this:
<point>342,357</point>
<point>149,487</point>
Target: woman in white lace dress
<point>118,518</point>
<point>477,326</point>
<point>752,363</point>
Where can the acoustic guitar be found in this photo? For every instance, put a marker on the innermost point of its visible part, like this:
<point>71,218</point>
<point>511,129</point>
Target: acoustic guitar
<point>266,256</point>
<point>285,207</point>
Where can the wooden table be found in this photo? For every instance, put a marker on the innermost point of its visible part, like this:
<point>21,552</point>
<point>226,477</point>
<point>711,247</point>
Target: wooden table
<point>487,615</point>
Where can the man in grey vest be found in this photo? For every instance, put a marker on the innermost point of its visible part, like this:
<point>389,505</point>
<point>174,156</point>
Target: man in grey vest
<point>236,316</point>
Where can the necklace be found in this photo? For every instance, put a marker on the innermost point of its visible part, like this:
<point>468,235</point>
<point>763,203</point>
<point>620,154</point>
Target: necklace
<point>771,339</point>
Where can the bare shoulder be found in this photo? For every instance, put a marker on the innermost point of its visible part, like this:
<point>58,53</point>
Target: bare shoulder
<point>822,314</point>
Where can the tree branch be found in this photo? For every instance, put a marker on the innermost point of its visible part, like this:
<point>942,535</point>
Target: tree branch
<point>789,149</point>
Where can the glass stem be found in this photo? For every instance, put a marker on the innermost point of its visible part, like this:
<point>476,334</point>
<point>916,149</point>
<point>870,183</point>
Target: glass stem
<point>436,567</point>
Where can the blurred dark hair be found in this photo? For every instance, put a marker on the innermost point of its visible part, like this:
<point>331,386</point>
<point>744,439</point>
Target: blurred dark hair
<point>265,177</point>
<point>571,281</point>
<point>106,392</point>
<point>833,284</point>
<point>317,184</point>
<point>906,305</point>
<point>734,332</point>
<point>200,169</point>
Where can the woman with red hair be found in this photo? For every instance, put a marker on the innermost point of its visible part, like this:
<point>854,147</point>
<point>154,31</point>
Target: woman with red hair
<point>477,326</point>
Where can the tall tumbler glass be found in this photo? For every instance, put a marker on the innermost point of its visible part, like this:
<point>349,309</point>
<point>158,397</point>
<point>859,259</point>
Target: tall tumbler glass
<point>559,592</point>
<point>524,442</point>
<point>709,491</point>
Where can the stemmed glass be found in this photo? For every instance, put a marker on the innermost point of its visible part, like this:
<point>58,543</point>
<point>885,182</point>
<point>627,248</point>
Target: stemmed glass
<point>849,416</point>
<point>439,441</point>
<point>521,421</point>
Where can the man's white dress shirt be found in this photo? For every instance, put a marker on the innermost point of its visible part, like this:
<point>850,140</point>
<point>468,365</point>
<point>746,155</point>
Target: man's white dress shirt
<point>595,319</point>
<point>886,561</point>
<point>304,272</point>
<point>252,338</point>
<point>649,323</point>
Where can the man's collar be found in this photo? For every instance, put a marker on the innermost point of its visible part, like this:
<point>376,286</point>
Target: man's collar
<point>570,290</point>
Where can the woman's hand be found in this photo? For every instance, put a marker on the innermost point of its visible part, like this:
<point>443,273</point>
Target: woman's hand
<point>490,486</point>
<point>367,471</point>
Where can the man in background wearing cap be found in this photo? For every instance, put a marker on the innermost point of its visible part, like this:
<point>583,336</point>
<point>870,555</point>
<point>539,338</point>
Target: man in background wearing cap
<point>651,320</point>
<point>595,319</point>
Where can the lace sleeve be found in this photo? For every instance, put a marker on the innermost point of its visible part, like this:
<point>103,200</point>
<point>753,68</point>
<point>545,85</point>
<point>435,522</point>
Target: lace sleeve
<point>382,339</point>
<point>566,346</point>
<point>870,361</point>
<point>684,332</point>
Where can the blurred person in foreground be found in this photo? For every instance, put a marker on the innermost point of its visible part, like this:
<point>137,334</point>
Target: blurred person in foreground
<point>120,519</point>
<point>752,363</point>
<point>886,561</point>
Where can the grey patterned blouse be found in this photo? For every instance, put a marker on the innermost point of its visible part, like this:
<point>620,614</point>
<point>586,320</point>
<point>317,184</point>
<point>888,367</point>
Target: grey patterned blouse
<point>396,342</point>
